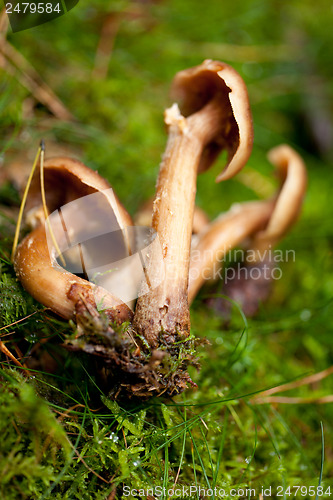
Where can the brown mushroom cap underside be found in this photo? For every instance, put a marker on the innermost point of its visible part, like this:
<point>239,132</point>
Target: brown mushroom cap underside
<point>65,180</point>
<point>194,88</point>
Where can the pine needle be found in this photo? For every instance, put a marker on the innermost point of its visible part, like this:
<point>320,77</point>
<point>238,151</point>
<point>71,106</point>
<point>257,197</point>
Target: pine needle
<point>46,212</point>
<point>40,153</point>
<point>24,199</point>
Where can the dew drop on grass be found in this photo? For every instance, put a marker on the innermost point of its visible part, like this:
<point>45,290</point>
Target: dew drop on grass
<point>32,337</point>
<point>114,437</point>
<point>248,460</point>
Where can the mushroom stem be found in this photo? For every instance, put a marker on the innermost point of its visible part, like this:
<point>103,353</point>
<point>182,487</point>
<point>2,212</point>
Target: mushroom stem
<point>144,217</point>
<point>166,308</point>
<point>223,234</point>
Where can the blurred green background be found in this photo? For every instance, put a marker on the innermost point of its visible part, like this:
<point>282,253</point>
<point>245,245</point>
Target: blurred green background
<point>110,64</point>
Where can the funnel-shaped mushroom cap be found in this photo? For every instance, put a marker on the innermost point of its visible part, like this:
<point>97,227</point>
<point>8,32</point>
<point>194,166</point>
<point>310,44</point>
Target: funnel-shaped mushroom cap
<point>214,80</point>
<point>67,180</point>
<point>87,224</point>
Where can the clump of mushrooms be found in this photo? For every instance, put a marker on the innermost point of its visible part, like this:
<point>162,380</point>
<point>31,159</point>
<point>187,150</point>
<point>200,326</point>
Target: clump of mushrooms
<point>146,351</point>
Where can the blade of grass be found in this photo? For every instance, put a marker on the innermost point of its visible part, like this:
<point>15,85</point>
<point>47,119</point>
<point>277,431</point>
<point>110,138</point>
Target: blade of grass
<point>221,448</point>
<point>24,199</point>
<point>200,459</point>
<point>322,457</point>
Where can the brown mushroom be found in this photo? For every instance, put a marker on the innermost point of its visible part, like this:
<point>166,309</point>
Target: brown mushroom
<point>264,222</point>
<point>293,178</point>
<point>35,261</point>
<point>214,114</point>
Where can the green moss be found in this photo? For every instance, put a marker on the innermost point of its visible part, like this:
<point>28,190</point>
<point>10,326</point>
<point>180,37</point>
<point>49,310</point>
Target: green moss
<point>12,300</point>
<point>31,439</point>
